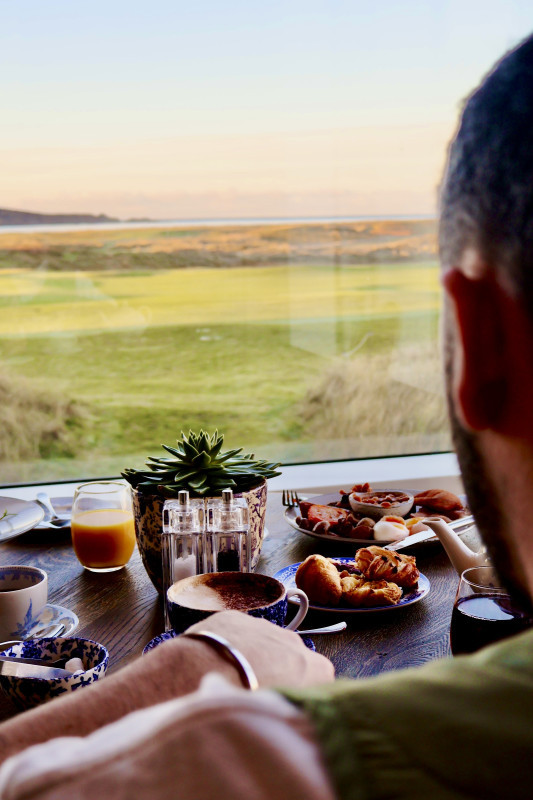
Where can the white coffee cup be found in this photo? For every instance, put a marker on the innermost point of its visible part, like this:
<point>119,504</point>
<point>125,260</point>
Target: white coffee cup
<point>23,596</point>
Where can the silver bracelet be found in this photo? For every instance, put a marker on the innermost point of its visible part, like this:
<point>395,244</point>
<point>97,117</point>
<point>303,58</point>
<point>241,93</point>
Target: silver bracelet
<point>244,668</point>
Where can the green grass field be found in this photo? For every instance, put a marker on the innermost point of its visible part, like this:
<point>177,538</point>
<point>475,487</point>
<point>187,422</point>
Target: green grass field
<point>292,361</point>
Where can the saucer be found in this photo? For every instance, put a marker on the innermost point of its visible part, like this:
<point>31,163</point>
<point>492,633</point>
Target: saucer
<point>48,621</point>
<point>165,637</point>
<point>157,640</point>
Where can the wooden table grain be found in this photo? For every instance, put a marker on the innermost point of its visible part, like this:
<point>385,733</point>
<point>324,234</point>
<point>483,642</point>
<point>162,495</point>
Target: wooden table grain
<point>123,611</point>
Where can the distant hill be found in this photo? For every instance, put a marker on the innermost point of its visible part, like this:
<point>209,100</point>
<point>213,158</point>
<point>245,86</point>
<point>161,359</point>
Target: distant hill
<point>94,247</point>
<point>9,217</point>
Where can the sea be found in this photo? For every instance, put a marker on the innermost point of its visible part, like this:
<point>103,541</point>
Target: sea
<point>201,223</point>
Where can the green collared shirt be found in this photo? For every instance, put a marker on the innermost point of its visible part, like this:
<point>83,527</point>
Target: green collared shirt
<point>455,728</point>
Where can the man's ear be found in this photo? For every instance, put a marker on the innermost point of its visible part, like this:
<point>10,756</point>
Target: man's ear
<point>481,387</point>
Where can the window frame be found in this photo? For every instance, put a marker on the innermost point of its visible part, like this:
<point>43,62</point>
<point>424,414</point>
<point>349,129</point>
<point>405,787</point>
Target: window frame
<point>403,472</point>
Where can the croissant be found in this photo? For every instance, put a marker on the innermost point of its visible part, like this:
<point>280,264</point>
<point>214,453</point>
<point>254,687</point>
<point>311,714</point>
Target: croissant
<point>320,580</point>
<point>438,500</point>
<point>359,593</point>
<point>376,563</point>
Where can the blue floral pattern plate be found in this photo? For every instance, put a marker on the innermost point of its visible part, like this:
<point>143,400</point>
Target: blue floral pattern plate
<point>165,637</point>
<point>287,575</point>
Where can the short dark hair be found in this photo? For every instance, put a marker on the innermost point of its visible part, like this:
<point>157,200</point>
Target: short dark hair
<point>487,192</point>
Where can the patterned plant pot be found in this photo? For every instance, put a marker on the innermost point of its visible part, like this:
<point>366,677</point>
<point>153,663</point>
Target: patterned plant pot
<point>148,514</point>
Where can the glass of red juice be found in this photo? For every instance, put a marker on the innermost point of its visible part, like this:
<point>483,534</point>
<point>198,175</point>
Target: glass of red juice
<point>483,612</point>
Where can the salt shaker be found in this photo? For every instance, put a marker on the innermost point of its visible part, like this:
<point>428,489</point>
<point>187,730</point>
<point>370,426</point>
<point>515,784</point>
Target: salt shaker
<point>228,534</point>
<point>182,542</point>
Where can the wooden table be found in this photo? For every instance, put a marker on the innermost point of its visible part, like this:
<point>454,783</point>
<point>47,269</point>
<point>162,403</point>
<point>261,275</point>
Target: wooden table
<point>122,610</point>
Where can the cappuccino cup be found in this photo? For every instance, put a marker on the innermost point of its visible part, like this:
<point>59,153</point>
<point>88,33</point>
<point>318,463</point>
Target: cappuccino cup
<point>23,596</point>
<point>193,599</point>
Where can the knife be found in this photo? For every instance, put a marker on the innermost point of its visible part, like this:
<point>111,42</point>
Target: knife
<point>458,525</point>
<point>31,668</point>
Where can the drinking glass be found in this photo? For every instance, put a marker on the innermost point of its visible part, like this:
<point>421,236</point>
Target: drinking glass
<point>483,612</point>
<point>103,531</point>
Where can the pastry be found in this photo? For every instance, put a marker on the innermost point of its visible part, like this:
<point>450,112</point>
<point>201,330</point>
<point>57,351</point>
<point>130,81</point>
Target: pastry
<point>320,580</point>
<point>358,593</point>
<point>376,563</point>
<point>438,500</point>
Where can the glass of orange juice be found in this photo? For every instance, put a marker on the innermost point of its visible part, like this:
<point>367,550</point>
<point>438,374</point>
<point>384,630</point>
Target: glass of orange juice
<point>103,532</point>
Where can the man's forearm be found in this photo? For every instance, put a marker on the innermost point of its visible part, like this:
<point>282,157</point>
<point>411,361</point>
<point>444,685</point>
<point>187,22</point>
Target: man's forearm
<point>169,671</point>
<point>173,669</point>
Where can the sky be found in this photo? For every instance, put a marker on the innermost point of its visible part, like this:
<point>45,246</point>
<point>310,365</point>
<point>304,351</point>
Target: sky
<point>177,110</point>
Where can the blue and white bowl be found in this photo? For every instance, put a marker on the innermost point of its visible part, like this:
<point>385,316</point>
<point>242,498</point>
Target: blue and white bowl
<point>30,692</point>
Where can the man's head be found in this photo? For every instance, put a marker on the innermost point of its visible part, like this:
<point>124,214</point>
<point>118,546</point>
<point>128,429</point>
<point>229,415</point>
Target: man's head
<point>486,248</point>
<point>487,196</point>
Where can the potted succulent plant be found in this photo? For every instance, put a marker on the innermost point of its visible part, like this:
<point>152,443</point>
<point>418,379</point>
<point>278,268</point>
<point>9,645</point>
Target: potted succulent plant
<point>198,464</point>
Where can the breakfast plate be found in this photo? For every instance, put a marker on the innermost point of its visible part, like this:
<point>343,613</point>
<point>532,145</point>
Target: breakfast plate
<point>411,596</point>
<point>325,499</point>
<point>18,516</point>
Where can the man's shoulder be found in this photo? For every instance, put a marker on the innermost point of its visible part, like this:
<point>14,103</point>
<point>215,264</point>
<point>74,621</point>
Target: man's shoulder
<point>454,726</point>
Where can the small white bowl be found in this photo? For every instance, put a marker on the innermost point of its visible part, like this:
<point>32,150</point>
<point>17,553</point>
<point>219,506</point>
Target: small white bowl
<point>375,510</point>
<point>30,692</point>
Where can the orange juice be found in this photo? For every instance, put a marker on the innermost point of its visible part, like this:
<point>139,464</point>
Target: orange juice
<point>103,538</point>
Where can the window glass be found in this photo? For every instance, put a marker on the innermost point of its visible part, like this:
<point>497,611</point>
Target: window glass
<point>265,259</point>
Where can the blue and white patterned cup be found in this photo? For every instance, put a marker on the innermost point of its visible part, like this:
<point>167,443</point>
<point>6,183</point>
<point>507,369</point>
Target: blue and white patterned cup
<point>196,598</point>
<point>23,596</point>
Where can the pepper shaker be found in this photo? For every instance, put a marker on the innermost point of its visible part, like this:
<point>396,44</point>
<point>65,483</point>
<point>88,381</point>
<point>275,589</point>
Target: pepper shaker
<point>228,534</point>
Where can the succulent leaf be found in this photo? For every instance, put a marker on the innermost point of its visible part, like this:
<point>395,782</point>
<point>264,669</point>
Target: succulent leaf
<point>201,460</point>
<point>172,450</point>
<point>198,482</point>
<point>198,464</point>
<point>229,454</point>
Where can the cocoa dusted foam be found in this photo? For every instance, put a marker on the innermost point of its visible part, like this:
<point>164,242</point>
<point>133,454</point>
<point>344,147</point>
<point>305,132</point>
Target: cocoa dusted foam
<point>223,591</point>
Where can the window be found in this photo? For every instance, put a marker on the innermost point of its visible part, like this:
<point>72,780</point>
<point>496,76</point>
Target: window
<point>266,259</point>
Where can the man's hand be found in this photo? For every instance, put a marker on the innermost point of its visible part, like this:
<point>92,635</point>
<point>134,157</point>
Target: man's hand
<point>278,656</point>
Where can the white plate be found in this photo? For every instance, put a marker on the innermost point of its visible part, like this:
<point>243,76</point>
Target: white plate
<point>50,618</point>
<point>287,574</point>
<point>324,500</point>
<point>22,516</point>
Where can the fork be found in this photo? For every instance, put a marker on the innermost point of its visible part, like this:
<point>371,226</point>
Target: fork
<point>290,499</point>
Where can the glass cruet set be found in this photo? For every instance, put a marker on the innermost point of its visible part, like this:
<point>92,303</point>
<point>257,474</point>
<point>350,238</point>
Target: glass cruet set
<point>204,535</point>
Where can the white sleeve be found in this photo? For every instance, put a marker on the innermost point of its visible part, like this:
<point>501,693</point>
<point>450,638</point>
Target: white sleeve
<point>218,742</point>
